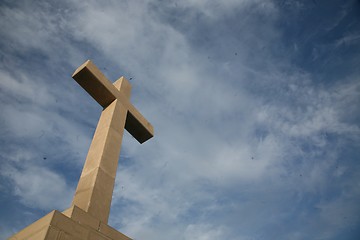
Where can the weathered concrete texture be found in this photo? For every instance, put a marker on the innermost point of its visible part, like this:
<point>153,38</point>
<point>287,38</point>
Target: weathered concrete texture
<point>73,224</point>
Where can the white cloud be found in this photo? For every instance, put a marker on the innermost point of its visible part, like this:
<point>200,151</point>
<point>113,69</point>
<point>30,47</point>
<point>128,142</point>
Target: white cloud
<point>215,9</point>
<point>31,127</point>
<point>204,232</point>
<point>38,187</point>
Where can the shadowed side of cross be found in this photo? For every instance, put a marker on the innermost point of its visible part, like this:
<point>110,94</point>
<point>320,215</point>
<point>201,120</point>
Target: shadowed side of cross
<point>96,184</point>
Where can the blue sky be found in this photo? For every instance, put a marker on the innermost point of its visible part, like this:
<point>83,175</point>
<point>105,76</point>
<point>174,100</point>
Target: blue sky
<point>255,106</point>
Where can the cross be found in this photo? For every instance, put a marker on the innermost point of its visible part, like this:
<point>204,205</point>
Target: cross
<point>94,191</point>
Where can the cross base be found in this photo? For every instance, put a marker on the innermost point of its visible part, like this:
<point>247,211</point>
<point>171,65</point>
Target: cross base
<point>72,224</point>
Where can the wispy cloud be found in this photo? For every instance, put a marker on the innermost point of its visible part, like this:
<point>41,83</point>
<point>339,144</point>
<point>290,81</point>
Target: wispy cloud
<point>30,187</point>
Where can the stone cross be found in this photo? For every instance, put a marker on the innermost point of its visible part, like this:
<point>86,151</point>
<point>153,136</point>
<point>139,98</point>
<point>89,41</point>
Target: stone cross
<point>94,191</point>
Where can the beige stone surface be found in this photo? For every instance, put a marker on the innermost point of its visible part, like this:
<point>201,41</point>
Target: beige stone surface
<point>89,77</point>
<point>82,217</point>
<point>94,191</point>
<point>53,233</point>
<point>107,140</point>
<point>112,233</point>
<point>94,194</point>
<point>58,226</point>
<point>38,235</point>
<point>34,228</point>
<point>124,86</point>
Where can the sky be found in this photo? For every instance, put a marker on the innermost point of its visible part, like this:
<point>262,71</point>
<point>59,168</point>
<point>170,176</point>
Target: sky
<point>254,103</point>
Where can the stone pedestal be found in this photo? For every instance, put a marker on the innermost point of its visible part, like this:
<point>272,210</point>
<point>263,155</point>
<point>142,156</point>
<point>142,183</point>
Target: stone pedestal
<point>72,224</point>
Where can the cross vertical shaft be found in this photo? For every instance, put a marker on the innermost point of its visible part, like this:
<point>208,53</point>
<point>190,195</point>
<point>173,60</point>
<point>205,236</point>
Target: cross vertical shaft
<point>96,184</point>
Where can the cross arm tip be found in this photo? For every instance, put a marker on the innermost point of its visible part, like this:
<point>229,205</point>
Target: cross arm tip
<point>92,80</point>
<point>139,128</point>
<point>85,64</point>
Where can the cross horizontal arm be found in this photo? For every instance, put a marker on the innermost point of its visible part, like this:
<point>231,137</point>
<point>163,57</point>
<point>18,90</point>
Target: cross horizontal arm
<point>95,83</point>
<point>137,126</point>
<point>104,92</point>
